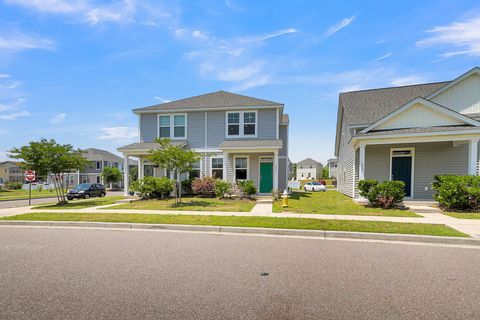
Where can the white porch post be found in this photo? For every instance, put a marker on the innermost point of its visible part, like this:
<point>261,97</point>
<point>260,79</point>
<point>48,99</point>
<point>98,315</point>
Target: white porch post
<point>140,168</point>
<point>472,157</point>
<point>361,165</point>
<point>226,166</point>
<point>275,171</point>
<point>125,174</point>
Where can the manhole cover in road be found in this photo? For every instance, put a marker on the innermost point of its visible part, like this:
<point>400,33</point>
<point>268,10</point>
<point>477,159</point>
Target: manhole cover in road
<point>263,274</point>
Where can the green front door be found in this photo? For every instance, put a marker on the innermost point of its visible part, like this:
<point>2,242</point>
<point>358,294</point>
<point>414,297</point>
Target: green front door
<point>266,177</point>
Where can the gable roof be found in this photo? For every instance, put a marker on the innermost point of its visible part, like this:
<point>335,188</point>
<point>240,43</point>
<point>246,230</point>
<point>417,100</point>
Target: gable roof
<point>92,151</point>
<point>453,82</point>
<point>368,106</point>
<point>219,99</point>
<point>445,111</point>
<point>309,160</point>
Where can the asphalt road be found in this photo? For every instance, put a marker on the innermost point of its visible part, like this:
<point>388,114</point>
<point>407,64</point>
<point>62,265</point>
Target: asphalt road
<point>22,203</point>
<point>109,274</point>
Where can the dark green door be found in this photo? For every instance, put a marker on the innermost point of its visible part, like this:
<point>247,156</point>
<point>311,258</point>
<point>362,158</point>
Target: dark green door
<point>266,177</point>
<point>402,171</point>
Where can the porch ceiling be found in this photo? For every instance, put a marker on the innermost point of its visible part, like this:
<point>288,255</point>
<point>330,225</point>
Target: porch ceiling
<point>251,145</point>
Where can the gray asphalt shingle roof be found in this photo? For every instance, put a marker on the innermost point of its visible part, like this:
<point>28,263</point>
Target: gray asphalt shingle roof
<point>415,130</point>
<point>218,99</point>
<point>251,143</point>
<point>368,106</point>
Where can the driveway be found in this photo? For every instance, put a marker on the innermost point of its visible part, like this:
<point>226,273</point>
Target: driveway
<point>106,274</point>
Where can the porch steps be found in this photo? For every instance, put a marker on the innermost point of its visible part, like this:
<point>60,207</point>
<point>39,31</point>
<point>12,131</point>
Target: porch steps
<point>264,199</point>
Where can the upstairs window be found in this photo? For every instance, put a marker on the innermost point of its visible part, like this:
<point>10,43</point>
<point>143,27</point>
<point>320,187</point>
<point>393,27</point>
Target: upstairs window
<point>172,126</point>
<point>242,124</point>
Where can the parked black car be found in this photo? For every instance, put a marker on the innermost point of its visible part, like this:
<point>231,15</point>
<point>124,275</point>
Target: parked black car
<point>87,190</point>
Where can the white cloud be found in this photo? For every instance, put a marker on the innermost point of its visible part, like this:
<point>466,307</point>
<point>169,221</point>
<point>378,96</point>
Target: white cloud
<point>119,134</point>
<point>14,115</point>
<point>59,118</point>
<point>162,100</point>
<point>199,35</point>
<point>385,56</point>
<point>408,80</point>
<point>339,26</point>
<point>268,36</point>
<point>4,76</point>
<point>51,6</point>
<point>11,106</point>
<point>463,35</point>
<point>18,41</point>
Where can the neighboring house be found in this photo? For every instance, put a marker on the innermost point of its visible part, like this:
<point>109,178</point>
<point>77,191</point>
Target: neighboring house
<point>332,168</point>
<point>10,171</point>
<point>409,133</point>
<point>238,137</point>
<point>309,169</point>
<point>97,160</point>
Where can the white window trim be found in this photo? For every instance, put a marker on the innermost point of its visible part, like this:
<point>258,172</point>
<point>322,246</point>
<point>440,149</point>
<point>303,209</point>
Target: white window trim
<point>201,168</point>
<point>235,169</point>
<point>224,171</point>
<point>98,167</point>
<point>241,124</point>
<point>412,178</point>
<point>172,126</point>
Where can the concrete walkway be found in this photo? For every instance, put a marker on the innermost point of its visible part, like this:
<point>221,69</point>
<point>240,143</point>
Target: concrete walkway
<point>264,209</point>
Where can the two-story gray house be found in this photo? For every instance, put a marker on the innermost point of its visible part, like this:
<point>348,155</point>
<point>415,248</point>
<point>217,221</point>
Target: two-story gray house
<point>238,137</point>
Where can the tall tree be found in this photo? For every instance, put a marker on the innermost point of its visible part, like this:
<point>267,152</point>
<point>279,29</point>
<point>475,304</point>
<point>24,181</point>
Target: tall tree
<point>50,159</point>
<point>175,159</point>
<point>111,175</point>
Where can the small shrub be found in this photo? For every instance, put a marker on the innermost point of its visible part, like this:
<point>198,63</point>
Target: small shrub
<point>153,188</point>
<point>386,194</point>
<point>205,187</point>
<point>248,187</point>
<point>457,192</point>
<point>13,185</point>
<point>39,187</point>
<point>222,188</point>
<point>187,186</point>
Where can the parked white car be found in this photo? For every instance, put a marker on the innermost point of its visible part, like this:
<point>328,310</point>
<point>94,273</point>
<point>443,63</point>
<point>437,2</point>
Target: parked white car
<point>314,186</point>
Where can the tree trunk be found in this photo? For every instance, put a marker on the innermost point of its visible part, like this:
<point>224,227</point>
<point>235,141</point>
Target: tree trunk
<point>179,188</point>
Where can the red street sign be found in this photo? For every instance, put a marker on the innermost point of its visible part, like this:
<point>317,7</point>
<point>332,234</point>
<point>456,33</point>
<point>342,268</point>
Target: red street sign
<point>30,175</point>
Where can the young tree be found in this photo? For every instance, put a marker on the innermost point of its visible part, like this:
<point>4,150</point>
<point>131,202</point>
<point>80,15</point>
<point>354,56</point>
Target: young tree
<point>325,173</point>
<point>111,175</point>
<point>48,158</point>
<point>175,159</point>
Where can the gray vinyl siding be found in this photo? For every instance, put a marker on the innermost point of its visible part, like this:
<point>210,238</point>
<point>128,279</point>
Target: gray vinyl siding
<point>430,159</point>
<point>282,174</point>
<point>216,128</point>
<point>267,124</point>
<point>283,135</point>
<point>346,164</point>
<point>196,129</point>
<point>148,127</point>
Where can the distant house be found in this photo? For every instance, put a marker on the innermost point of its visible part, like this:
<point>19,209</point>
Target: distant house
<point>332,168</point>
<point>409,133</point>
<point>238,137</point>
<point>10,171</point>
<point>309,169</point>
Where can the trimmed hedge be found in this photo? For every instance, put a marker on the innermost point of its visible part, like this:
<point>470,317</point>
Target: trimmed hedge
<point>457,192</point>
<point>386,194</point>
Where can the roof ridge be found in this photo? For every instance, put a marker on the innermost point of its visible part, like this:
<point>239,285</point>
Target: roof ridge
<point>397,87</point>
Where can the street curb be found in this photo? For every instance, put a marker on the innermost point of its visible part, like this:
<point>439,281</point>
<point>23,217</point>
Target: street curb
<point>240,230</point>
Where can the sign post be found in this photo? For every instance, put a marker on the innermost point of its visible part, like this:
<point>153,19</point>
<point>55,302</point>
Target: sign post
<point>30,176</point>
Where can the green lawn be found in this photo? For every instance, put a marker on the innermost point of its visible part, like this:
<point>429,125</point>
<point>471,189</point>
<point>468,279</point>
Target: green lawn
<point>23,194</point>
<point>191,204</point>
<point>333,202</point>
<point>80,204</point>
<point>264,222</point>
<point>462,215</point>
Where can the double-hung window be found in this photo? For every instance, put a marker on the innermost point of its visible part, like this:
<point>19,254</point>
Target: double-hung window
<point>196,171</point>
<point>173,126</point>
<point>217,168</point>
<point>241,168</point>
<point>242,124</point>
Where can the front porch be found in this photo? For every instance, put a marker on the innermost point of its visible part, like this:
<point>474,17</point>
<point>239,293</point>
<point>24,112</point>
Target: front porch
<point>415,162</point>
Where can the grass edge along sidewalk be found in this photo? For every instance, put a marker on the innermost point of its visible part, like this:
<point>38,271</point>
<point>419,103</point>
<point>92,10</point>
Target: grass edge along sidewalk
<point>259,222</point>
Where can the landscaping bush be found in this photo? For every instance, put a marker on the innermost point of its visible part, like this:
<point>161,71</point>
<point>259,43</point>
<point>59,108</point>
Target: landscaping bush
<point>187,186</point>
<point>205,187</point>
<point>248,187</point>
<point>153,188</point>
<point>13,185</point>
<point>222,188</point>
<point>386,194</point>
<point>457,192</point>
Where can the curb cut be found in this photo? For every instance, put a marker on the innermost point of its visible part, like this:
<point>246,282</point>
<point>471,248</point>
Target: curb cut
<point>240,230</point>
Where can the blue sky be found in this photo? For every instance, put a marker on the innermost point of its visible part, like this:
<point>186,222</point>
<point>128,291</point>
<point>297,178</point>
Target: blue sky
<point>73,70</point>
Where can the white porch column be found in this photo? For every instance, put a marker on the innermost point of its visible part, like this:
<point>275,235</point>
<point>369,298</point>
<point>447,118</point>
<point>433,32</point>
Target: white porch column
<point>226,166</point>
<point>275,171</point>
<point>472,157</point>
<point>361,165</point>
<point>140,168</point>
<point>126,172</point>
